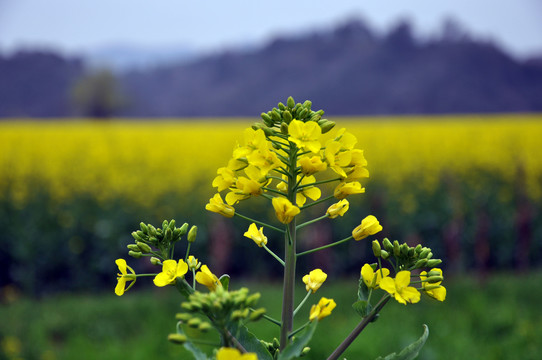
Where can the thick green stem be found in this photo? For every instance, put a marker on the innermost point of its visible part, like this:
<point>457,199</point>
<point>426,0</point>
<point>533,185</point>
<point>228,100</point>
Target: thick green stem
<point>358,329</point>
<point>289,284</point>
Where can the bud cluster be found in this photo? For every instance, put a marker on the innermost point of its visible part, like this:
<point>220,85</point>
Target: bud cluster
<point>279,118</point>
<point>149,238</point>
<point>222,307</point>
<point>406,257</point>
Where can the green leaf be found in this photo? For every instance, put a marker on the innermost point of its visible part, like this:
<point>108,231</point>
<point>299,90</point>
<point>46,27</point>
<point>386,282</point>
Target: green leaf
<point>294,348</point>
<point>196,352</point>
<point>249,341</point>
<point>363,290</point>
<point>362,307</point>
<point>225,281</point>
<point>411,351</point>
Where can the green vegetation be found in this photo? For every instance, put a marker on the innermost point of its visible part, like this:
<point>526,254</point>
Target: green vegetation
<point>493,319</point>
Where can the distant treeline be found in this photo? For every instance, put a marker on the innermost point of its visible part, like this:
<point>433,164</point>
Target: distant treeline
<point>348,70</point>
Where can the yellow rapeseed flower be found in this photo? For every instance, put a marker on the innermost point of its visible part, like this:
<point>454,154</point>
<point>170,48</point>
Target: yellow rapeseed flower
<point>338,209</point>
<point>284,209</point>
<point>368,226</point>
<point>322,309</point>
<point>171,270</point>
<point>312,165</point>
<point>305,135</point>
<point>434,290</point>
<point>372,278</point>
<point>256,235</point>
<point>207,278</point>
<point>314,280</point>
<point>225,353</point>
<point>348,188</point>
<point>246,187</point>
<point>312,192</point>
<point>226,178</point>
<point>123,277</point>
<point>399,288</point>
<point>217,205</point>
<point>254,140</point>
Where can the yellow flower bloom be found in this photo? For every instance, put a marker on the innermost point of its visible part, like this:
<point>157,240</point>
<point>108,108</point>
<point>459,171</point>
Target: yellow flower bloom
<point>336,157</point>
<point>264,160</point>
<point>435,290</point>
<point>207,278</point>
<point>399,288</point>
<point>254,140</point>
<point>284,209</point>
<point>246,187</point>
<point>305,135</point>
<point>338,209</point>
<point>311,192</point>
<point>225,353</point>
<point>123,277</point>
<point>348,188</point>
<point>314,280</point>
<point>369,226</point>
<point>256,235</point>
<point>371,278</point>
<point>171,270</point>
<point>218,206</point>
<point>312,165</point>
<point>322,309</point>
<point>226,178</point>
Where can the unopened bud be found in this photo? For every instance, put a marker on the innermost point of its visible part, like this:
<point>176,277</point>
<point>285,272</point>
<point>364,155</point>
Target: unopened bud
<point>133,247</point>
<point>136,236</point>
<point>396,248</point>
<point>204,327</point>
<point>281,106</point>
<point>433,262</point>
<point>169,235</point>
<point>290,102</point>
<point>376,248</point>
<point>434,279</point>
<point>302,114</point>
<point>194,322</point>
<point>404,250</point>
<point>267,119</point>
<point>425,251</point>
<point>327,126</point>
<point>192,234</point>
<point>305,351</point>
<point>284,128</point>
<point>135,254</point>
<point>276,342</point>
<point>252,299</point>
<point>177,338</point>
<point>384,254</point>
<point>184,229</point>
<point>276,116</point>
<point>387,244</point>
<point>145,249</point>
<point>287,116</point>
<point>257,314</point>
<point>418,249</point>
<point>143,227</point>
<point>152,230</point>
<point>429,287</point>
<point>183,317</point>
<point>420,263</point>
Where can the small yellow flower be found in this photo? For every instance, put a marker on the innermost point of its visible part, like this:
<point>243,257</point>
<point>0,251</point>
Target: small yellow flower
<point>225,353</point>
<point>434,290</point>
<point>171,270</point>
<point>193,263</point>
<point>207,278</point>
<point>312,165</point>
<point>305,135</point>
<point>254,140</point>
<point>312,192</point>
<point>217,205</point>
<point>338,209</point>
<point>225,179</point>
<point>314,280</point>
<point>371,278</point>
<point>399,288</point>
<point>322,309</point>
<point>246,187</point>
<point>123,277</point>
<point>284,209</point>
<point>256,235</point>
<point>348,188</point>
<point>369,226</point>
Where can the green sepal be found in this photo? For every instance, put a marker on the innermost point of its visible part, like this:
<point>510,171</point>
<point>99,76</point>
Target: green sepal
<point>362,307</point>
<point>363,290</point>
<point>412,350</point>
<point>225,281</point>
<point>293,349</point>
<point>249,341</point>
<point>184,288</point>
<point>194,350</point>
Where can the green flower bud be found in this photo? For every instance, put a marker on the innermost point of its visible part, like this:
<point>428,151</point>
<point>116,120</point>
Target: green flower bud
<point>418,249</point>
<point>136,236</point>
<point>396,248</point>
<point>276,342</point>
<point>194,322</point>
<point>290,102</point>
<point>281,106</point>
<point>184,229</point>
<point>169,235</point>
<point>143,227</point>
<point>420,263</point>
<point>204,327</point>
<point>133,247</point>
<point>172,224</point>
<point>434,279</point>
<point>145,249</point>
<point>433,262</point>
<point>192,234</point>
<point>305,351</point>
<point>429,287</point>
<point>327,125</point>
<point>404,250</point>
<point>135,254</point>
<point>287,116</point>
<point>177,338</point>
<point>284,128</point>
<point>315,117</point>
<point>429,256</point>
<point>257,314</point>
<point>376,248</point>
<point>165,225</point>
<point>252,299</point>
<point>384,254</point>
<point>387,244</point>
<point>257,126</point>
<point>275,115</point>
<point>411,252</point>
<point>425,251</point>
<point>152,230</point>
<point>155,261</point>
<point>268,131</point>
<point>237,315</point>
<point>307,104</point>
<point>302,114</point>
<point>183,317</point>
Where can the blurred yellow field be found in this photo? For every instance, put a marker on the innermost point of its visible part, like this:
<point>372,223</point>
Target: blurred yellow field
<point>144,160</point>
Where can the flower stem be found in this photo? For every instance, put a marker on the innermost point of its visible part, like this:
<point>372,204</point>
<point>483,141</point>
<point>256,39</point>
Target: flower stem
<point>325,246</point>
<point>302,302</point>
<point>358,329</point>
<point>274,255</point>
<point>311,222</point>
<point>317,202</point>
<point>259,223</point>
<point>289,285</point>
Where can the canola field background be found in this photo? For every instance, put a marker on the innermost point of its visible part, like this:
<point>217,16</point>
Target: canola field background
<point>72,191</point>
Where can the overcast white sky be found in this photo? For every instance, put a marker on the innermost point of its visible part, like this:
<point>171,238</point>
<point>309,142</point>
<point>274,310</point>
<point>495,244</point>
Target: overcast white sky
<point>74,25</point>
